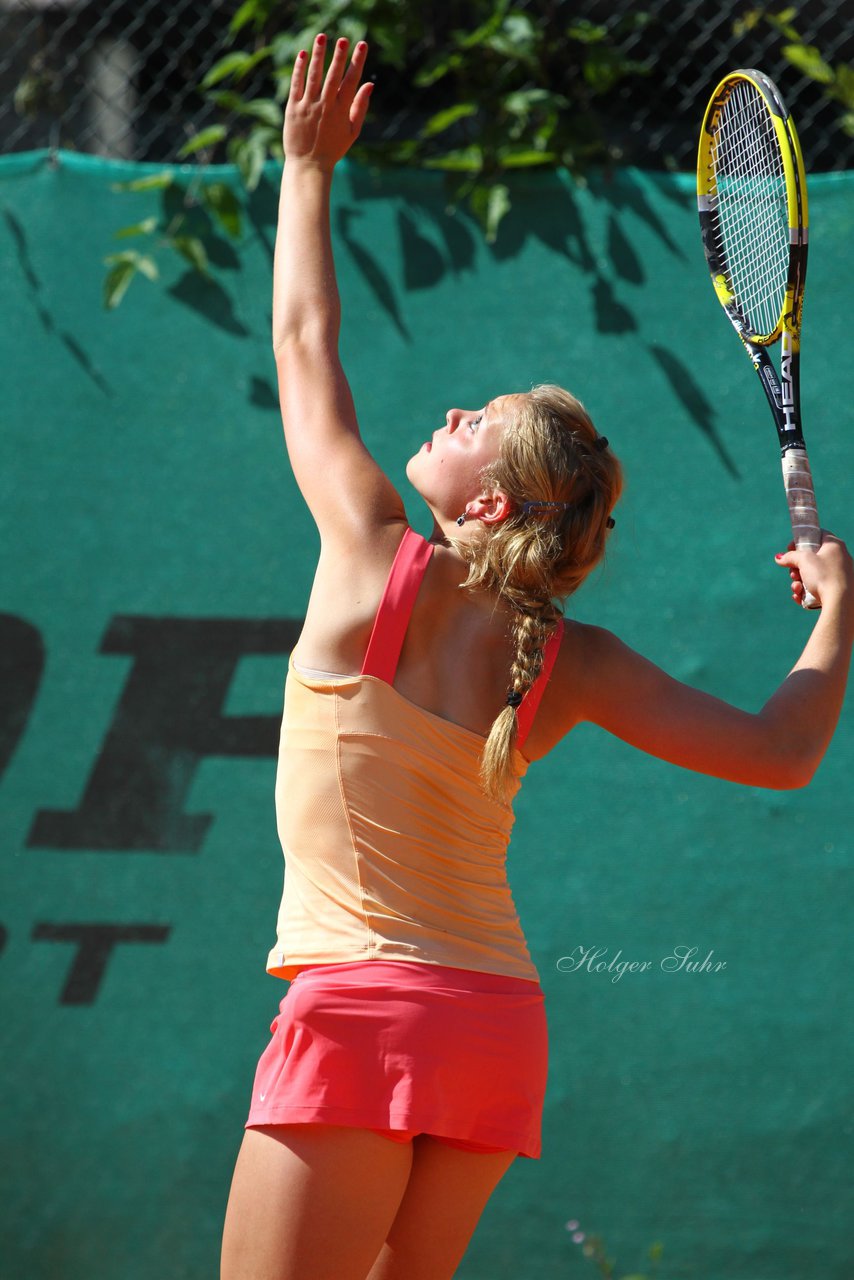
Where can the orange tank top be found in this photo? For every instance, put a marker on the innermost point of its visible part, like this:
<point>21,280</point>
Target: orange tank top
<point>392,849</point>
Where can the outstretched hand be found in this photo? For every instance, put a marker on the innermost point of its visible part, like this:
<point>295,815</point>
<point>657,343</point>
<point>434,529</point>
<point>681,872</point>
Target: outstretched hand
<point>823,573</point>
<point>323,117</point>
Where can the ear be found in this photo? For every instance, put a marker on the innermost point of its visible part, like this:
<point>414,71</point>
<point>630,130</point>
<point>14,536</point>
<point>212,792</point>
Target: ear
<point>490,508</point>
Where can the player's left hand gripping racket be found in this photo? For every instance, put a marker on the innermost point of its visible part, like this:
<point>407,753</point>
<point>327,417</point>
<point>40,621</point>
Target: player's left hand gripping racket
<point>752,196</point>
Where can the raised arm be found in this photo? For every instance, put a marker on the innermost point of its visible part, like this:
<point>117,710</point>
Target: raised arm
<point>346,491</point>
<point>780,746</point>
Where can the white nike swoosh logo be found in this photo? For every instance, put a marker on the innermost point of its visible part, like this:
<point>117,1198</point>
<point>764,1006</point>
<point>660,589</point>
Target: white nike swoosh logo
<point>262,1096</point>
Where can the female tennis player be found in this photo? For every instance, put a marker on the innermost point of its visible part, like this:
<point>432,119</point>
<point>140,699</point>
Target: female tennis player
<point>407,1066</point>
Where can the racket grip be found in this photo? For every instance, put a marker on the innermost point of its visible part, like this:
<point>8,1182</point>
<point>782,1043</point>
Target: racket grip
<point>803,512</point>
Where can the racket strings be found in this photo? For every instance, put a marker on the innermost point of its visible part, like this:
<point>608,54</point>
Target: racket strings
<point>750,212</point>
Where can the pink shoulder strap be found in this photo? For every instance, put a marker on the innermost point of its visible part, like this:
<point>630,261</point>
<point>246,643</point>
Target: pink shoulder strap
<point>401,588</point>
<point>528,707</point>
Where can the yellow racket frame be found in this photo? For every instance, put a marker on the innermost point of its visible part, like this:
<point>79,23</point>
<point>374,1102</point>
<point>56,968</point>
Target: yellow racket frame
<point>796,192</point>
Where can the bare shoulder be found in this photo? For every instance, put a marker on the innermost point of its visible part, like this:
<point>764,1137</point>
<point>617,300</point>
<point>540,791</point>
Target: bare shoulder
<point>582,652</point>
<point>348,584</point>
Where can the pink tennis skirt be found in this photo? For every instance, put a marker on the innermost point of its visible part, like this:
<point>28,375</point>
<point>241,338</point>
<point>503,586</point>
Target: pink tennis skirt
<point>403,1048</point>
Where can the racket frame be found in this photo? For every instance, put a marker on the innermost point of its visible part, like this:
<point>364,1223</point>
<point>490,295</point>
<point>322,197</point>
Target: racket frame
<point>782,391</point>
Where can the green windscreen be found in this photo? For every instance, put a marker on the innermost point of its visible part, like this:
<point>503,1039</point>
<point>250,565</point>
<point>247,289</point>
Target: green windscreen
<point>157,560</point>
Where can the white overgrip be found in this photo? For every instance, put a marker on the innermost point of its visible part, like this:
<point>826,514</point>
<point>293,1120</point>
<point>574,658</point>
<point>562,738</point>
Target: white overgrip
<point>803,512</point>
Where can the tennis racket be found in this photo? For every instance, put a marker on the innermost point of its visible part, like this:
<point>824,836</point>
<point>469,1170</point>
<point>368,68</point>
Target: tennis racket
<point>752,198</point>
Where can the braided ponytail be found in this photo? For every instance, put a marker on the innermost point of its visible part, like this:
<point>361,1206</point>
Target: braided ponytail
<point>532,628</point>
<point>563,483</point>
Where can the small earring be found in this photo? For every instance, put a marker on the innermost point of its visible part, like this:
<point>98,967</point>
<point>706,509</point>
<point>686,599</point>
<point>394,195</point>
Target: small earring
<point>461,519</point>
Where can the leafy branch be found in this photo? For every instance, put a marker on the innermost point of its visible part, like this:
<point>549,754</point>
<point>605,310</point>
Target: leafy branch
<point>497,92</point>
<point>182,226</point>
<point>837,81</point>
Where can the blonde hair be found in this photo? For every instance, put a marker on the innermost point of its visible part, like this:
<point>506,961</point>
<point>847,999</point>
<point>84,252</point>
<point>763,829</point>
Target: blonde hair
<point>534,558</point>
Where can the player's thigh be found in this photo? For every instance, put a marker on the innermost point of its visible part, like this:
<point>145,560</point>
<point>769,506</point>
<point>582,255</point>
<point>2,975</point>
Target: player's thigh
<point>311,1202</point>
<point>446,1193</point>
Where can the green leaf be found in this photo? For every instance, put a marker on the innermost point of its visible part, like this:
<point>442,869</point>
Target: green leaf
<point>443,120</point>
<point>389,38</point>
<point>117,282</point>
<point>233,64</point>
<point>587,32</point>
<point>520,30</point>
<point>636,1275</point>
<point>747,22</point>
<point>206,138</point>
<point>656,1249</point>
<point>286,46</point>
<point>847,123</point>
<point>245,14</point>
<point>154,182</point>
<point>525,157</point>
<point>515,49</point>
<point>224,205</point>
<point>228,100</point>
<point>147,266</point>
<point>126,255</point>
<point>807,58</point>
<point>249,155</point>
<point>462,160</point>
<point>845,85</point>
<point>489,204</point>
<point>497,206</point>
<point>249,11</point>
<point>603,68</point>
<point>438,70</point>
<point>265,110</point>
<point>782,22</point>
<point>523,101</point>
<point>143,228</point>
<point>191,248</point>
<point>472,39</point>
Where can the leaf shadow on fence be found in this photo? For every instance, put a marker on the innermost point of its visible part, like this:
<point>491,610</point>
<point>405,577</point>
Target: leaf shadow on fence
<point>435,240</point>
<point>692,397</point>
<point>34,285</point>
<point>209,299</point>
<point>371,269</point>
<point>585,224</point>
<point>598,231</point>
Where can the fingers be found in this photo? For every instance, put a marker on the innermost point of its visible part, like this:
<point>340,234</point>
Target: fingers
<point>315,69</point>
<point>306,75</point>
<point>359,109</point>
<point>790,563</point>
<point>325,112</point>
<point>350,83</point>
<point>297,88</point>
<point>337,67</point>
<point>308,81</point>
<point>335,74</point>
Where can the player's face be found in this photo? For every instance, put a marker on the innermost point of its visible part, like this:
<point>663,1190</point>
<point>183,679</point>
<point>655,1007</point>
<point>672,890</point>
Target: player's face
<point>446,470</point>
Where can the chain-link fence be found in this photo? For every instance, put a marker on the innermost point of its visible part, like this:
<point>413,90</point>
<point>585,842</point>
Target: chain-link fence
<point>120,77</point>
